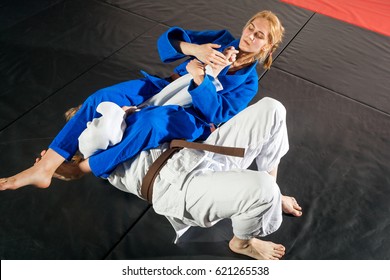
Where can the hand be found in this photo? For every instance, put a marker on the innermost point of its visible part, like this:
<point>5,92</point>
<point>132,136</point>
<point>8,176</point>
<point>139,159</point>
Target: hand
<point>230,54</point>
<point>208,55</point>
<point>196,70</point>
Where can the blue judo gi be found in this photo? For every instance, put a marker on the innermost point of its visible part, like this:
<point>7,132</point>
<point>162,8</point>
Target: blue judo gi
<point>155,125</point>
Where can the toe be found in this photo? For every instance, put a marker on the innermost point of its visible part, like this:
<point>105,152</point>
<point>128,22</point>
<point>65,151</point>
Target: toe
<point>280,248</point>
<point>297,206</point>
<point>297,213</point>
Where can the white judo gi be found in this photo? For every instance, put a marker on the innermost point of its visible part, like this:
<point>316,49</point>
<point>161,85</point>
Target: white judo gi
<point>199,188</point>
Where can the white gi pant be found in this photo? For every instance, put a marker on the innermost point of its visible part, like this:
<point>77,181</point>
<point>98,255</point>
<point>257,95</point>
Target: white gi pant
<point>198,188</point>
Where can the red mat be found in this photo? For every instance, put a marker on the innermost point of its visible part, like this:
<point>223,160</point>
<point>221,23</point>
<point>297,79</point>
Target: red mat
<point>370,14</point>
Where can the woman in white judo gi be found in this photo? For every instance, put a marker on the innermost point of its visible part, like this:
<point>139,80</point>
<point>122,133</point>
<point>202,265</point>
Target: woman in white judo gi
<point>199,188</point>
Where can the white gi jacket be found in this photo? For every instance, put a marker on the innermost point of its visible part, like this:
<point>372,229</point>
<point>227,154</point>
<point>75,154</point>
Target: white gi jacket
<point>170,185</point>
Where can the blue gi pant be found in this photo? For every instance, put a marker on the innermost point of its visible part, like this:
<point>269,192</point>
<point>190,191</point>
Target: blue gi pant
<point>146,129</point>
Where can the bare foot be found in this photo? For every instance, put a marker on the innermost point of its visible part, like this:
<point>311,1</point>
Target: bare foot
<point>39,174</point>
<point>257,249</point>
<point>34,175</point>
<point>291,206</point>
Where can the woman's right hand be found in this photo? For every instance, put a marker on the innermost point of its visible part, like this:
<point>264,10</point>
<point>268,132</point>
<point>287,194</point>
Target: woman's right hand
<point>208,54</point>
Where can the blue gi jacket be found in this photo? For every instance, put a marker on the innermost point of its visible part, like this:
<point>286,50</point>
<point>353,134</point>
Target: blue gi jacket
<point>155,125</point>
<point>208,104</point>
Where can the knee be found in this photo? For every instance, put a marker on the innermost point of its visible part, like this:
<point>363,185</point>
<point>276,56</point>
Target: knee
<point>269,190</point>
<point>261,188</point>
<point>268,106</point>
<point>271,106</point>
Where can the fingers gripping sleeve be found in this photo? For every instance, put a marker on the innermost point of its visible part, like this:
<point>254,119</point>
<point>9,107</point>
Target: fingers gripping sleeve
<point>168,49</point>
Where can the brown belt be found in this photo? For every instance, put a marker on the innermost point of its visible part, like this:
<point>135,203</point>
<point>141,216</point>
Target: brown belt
<point>174,76</point>
<point>175,146</point>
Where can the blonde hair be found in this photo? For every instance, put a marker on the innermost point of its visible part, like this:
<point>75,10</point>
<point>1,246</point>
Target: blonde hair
<point>275,35</point>
<point>77,158</point>
<point>71,112</point>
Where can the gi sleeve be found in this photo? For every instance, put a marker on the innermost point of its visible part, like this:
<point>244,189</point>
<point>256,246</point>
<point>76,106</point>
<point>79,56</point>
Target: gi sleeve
<point>219,106</point>
<point>168,49</point>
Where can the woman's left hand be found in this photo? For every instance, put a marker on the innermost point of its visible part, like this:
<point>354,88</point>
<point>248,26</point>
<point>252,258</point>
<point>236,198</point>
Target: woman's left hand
<point>196,70</point>
<point>231,55</point>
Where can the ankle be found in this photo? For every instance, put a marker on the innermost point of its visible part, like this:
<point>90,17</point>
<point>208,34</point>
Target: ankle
<point>50,161</point>
<point>45,167</point>
<point>238,243</point>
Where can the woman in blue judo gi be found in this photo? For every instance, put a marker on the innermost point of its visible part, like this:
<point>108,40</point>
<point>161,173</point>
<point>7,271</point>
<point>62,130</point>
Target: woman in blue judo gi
<point>154,125</point>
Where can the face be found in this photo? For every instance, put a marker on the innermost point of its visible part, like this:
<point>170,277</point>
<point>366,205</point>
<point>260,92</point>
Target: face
<point>255,36</point>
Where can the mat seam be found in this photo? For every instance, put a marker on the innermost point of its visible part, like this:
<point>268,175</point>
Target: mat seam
<point>126,232</point>
<point>38,12</point>
<point>289,42</point>
<point>131,12</point>
<point>74,79</point>
<point>336,92</point>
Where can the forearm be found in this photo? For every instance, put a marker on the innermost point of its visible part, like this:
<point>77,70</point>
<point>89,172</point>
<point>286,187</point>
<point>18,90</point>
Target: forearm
<point>219,106</point>
<point>188,48</point>
<point>177,43</point>
<point>198,79</point>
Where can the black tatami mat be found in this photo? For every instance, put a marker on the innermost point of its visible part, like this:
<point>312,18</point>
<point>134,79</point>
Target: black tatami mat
<point>338,167</point>
<point>332,78</point>
<point>44,52</point>
<point>343,58</point>
<point>14,11</point>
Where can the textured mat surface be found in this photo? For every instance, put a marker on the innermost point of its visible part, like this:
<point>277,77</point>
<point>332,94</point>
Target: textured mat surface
<point>331,76</point>
<point>338,167</point>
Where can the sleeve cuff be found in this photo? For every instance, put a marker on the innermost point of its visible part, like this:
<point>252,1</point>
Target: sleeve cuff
<point>166,48</point>
<point>198,89</point>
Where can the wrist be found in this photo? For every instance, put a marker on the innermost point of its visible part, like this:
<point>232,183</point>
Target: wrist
<point>188,48</point>
<point>198,79</point>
